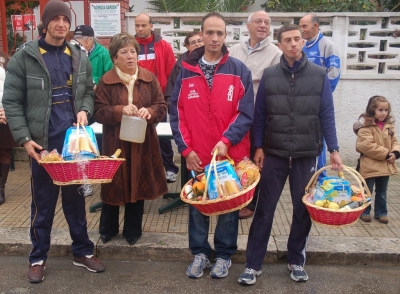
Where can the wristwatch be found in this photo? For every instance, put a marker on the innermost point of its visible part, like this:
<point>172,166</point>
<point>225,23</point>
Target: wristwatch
<point>333,150</point>
<point>87,112</point>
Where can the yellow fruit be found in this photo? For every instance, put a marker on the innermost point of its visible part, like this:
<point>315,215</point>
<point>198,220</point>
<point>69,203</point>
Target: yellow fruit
<point>203,179</point>
<point>319,203</point>
<point>333,206</point>
<point>326,203</point>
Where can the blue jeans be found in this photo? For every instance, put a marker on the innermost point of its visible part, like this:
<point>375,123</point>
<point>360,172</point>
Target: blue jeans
<point>225,236</point>
<point>381,184</point>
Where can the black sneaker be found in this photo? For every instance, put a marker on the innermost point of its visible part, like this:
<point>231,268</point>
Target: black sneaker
<point>248,277</point>
<point>298,273</point>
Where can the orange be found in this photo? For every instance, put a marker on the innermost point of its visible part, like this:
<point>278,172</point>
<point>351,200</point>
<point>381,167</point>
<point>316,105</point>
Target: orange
<point>356,198</point>
<point>198,188</point>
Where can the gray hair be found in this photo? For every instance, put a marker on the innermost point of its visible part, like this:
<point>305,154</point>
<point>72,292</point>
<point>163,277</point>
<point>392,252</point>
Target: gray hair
<point>79,37</point>
<point>251,15</point>
<point>314,18</point>
<point>249,19</point>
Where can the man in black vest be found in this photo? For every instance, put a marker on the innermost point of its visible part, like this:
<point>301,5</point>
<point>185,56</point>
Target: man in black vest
<point>294,107</point>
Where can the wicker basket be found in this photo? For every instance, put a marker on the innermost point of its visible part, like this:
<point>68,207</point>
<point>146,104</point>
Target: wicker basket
<point>92,171</point>
<point>335,219</point>
<point>221,205</point>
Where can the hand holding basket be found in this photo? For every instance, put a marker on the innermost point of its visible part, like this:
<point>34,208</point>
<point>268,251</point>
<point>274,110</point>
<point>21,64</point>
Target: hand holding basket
<point>336,218</point>
<point>98,170</point>
<point>223,204</point>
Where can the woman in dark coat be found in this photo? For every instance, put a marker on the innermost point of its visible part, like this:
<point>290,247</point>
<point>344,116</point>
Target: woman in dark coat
<point>130,90</point>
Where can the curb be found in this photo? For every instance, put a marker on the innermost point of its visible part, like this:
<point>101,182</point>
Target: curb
<point>321,250</point>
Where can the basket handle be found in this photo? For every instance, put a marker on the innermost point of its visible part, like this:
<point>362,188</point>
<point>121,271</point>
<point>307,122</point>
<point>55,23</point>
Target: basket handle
<point>95,150</point>
<point>230,159</point>
<point>76,151</point>
<point>360,180</point>
<point>363,184</point>
<point>212,164</point>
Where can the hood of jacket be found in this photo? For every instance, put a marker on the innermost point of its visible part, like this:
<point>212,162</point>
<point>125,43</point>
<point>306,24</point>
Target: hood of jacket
<point>367,121</point>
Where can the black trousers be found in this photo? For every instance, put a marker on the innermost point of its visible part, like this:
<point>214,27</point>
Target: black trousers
<point>109,220</point>
<point>252,205</point>
<point>273,177</point>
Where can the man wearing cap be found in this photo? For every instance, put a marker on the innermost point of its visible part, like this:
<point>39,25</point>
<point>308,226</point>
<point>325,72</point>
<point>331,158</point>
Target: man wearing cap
<point>157,56</point>
<point>98,55</point>
<point>49,88</point>
<point>100,60</point>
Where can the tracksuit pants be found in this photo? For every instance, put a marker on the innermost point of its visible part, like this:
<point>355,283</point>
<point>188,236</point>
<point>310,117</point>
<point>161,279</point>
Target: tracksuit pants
<point>167,153</point>
<point>273,177</point>
<point>43,205</point>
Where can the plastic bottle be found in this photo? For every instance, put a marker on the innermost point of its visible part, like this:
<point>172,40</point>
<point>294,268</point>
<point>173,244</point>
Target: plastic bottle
<point>133,129</point>
<point>194,176</point>
<point>116,154</point>
<point>355,204</point>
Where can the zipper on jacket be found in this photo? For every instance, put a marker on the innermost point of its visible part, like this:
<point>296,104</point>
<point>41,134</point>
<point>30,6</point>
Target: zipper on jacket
<point>291,102</point>
<point>77,80</point>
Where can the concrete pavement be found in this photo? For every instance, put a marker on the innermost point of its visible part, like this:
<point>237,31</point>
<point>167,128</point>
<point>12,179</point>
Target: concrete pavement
<point>165,235</point>
<point>138,277</point>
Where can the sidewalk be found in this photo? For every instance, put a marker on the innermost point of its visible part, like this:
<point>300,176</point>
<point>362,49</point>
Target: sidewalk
<point>165,235</point>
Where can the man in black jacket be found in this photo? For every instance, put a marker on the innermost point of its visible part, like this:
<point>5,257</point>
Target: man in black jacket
<point>294,107</point>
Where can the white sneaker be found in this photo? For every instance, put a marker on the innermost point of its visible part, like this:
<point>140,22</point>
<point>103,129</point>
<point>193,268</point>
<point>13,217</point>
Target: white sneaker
<point>220,268</point>
<point>195,270</point>
<point>171,177</point>
<point>249,276</point>
<point>298,273</point>
<point>88,191</point>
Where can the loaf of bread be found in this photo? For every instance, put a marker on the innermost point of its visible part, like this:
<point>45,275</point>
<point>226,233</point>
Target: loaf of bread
<point>247,172</point>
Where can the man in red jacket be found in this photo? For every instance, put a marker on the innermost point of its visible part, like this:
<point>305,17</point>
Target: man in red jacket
<point>157,56</point>
<point>212,107</point>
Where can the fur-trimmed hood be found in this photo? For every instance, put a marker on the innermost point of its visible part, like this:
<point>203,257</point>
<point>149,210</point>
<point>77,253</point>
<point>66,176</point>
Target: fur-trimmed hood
<point>367,121</point>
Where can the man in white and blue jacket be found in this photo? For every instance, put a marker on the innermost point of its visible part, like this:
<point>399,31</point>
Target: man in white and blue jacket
<point>323,52</point>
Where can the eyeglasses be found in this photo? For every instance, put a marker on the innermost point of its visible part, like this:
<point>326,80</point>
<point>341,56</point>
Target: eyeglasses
<point>199,41</point>
<point>260,21</point>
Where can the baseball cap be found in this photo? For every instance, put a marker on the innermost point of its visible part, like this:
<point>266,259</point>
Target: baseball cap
<point>84,30</point>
